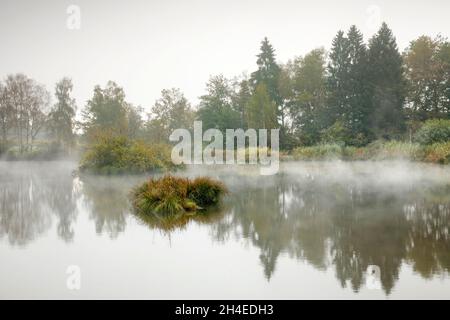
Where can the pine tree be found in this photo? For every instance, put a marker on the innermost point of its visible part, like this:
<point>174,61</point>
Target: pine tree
<point>386,84</point>
<point>338,70</point>
<point>268,73</point>
<point>359,110</point>
<point>349,98</point>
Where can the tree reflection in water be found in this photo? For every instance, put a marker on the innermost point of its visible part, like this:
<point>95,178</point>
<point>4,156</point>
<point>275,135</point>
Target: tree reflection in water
<point>30,194</point>
<point>345,225</point>
<point>345,221</point>
<point>170,223</point>
<point>107,201</point>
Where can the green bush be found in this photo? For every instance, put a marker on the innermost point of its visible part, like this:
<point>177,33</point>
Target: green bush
<point>336,134</point>
<point>118,154</point>
<point>171,195</point>
<point>339,134</point>
<point>433,131</point>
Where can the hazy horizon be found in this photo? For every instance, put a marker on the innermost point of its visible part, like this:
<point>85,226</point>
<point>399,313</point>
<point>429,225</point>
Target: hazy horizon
<point>147,46</point>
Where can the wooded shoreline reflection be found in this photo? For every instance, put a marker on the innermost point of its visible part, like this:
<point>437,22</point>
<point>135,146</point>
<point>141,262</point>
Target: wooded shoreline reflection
<point>342,224</point>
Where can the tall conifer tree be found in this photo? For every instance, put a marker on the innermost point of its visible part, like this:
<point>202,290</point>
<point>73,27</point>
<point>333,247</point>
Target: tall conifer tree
<point>268,74</point>
<point>387,84</point>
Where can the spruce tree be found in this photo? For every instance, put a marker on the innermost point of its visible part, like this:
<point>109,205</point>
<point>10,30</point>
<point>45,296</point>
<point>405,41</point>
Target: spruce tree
<point>359,110</point>
<point>338,71</point>
<point>349,98</point>
<point>268,74</point>
<point>386,84</point>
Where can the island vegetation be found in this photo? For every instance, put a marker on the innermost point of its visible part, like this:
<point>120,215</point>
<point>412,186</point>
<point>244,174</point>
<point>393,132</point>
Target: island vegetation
<point>175,196</point>
<point>357,101</point>
<point>111,154</point>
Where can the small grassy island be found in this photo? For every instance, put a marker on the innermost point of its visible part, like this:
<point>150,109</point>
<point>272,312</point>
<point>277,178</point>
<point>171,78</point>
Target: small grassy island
<point>170,195</point>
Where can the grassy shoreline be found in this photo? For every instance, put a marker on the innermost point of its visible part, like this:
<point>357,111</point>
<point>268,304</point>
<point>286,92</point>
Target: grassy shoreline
<point>391,150</point>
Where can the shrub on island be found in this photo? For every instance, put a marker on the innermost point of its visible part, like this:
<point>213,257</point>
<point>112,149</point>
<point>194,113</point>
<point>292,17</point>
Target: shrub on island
<point>121,155</point>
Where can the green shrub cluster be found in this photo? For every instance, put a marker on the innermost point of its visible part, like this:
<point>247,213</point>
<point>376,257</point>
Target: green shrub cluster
<point>433,131</point>
<point>171,195</point>
<point>118,154</point>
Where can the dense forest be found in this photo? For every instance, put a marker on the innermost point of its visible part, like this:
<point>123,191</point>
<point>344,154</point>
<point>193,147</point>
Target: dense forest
<point>352,95</point>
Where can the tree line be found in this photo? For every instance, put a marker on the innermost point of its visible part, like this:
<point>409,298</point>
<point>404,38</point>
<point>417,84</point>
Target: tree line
<point>355,93</point>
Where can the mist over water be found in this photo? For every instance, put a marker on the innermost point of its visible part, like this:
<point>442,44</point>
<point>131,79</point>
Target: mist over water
<point>310,231</point>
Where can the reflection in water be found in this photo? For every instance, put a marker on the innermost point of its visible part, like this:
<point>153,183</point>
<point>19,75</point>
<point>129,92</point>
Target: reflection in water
<point>339,216</point>
<point>30,195</point>
<point>346,224</point>
<point>107,200</point>
<point>167,224</point>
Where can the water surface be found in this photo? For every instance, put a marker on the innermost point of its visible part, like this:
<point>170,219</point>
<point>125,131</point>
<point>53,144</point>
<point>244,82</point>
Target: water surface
<point>309,232</point>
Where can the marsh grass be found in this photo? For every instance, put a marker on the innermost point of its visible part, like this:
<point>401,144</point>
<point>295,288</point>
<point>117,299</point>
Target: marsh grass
<point>318,152</point>
<point>248,154</point>
<point>171,196</point>
<point>377,150</point>
<point>438,153</point>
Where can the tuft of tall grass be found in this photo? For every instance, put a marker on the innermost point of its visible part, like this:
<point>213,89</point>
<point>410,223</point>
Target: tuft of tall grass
<point>393,150</point>
<point>170,195</point>
<point>437,153</point>
<point>204,191</point>
<point>318,152</point>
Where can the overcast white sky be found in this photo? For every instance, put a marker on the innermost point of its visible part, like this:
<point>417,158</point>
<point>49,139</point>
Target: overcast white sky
<point>146,46</point>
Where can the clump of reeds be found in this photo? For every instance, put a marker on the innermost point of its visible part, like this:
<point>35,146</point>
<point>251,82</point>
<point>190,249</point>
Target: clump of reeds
<point>171,195</point>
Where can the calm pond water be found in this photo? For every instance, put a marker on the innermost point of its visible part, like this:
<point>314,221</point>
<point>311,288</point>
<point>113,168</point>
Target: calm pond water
<point>309,232</point>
